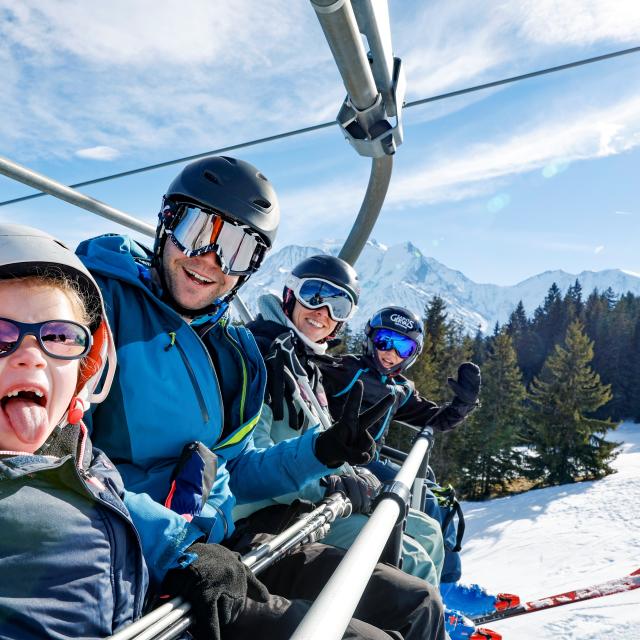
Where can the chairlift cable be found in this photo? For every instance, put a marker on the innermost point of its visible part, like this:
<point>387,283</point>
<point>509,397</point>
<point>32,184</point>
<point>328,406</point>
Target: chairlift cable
<point>324,125</point>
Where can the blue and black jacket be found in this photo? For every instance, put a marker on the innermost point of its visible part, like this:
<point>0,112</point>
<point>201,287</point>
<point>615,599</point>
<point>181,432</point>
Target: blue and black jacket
<point>71,564</point>
<point>340,373</point>
<point>177,384</point>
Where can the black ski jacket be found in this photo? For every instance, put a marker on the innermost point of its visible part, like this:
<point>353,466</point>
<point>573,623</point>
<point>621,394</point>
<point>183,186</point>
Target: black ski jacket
<point>340,373</point>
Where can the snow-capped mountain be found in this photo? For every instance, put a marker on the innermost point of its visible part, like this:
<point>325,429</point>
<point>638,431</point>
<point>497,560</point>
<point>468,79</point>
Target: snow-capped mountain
<point>402,275</point>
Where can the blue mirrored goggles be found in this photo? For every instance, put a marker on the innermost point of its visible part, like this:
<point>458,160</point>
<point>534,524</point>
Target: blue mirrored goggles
<point>387,339</point>
<point>314,293</point>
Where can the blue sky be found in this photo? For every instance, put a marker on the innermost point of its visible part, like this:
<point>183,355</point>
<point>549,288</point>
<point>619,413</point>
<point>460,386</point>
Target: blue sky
<point>500,184</point>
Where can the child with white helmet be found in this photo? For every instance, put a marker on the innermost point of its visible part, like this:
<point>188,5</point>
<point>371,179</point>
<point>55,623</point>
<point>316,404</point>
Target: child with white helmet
<point>70,557</point>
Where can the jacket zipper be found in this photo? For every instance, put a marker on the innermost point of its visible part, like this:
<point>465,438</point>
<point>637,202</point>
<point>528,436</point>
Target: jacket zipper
<point>85,477</point>
<point>194,381</point>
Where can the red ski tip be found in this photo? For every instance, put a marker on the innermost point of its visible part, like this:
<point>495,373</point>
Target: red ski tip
<point>506,601</point>
<point>481,633</point>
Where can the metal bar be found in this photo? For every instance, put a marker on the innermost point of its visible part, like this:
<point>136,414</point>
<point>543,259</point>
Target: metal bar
<point>329,615</point>
<point>369,210</point>
<point>338,22</point>
<point>38,181</point>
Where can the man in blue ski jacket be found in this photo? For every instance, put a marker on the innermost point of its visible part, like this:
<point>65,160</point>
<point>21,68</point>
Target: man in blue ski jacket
<point>186,397</point>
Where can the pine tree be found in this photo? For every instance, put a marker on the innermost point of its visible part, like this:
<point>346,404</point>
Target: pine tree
<point>526,343</point>
<point>495,428</point>
<point>569,444</point>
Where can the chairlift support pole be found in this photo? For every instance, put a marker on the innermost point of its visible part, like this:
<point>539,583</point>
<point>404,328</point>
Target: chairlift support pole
<point>61,191</point>
<point>375,93</point>
<point>332,610</point>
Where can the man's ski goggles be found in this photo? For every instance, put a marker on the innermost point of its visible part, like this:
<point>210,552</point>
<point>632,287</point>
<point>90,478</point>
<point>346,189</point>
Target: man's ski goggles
<point>62,339</point>
<point>199,231</point>
<point>387,339</point>
<point>314,293</point>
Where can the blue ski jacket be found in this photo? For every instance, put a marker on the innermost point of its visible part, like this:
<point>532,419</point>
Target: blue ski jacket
<point>175,386</point>
<point>71,564</point>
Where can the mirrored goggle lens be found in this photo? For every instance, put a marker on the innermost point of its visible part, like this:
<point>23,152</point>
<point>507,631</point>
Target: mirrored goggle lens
<point>386,339</point>
<point>201,231</point>
<point>62,339</point>
<point>9,336</point>
<point>317,293</point>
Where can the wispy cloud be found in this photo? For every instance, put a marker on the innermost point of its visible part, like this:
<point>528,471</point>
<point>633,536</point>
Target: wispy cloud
<point>480,169</point>
<point>148,75</point>
<point>98,153</point>
<point>159,75</point>
<point>568,137</point>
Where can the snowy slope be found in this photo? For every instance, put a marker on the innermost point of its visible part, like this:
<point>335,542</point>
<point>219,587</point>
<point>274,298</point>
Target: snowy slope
<point>551,540</point>
<point>402,275</point>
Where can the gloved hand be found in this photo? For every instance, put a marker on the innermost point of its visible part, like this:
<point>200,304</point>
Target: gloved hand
<point>348,440</point>
<point>466,388</point>
<point>362,488</point>
<point>216,585</point>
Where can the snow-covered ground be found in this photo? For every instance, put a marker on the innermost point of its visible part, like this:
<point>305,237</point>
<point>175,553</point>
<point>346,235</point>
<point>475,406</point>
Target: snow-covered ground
<point>550,540</point>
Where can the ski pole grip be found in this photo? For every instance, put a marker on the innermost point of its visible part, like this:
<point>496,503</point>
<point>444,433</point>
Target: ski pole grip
<point>399,493</point>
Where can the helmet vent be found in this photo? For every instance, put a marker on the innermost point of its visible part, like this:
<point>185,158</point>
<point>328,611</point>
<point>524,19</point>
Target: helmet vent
<point>212,177</point>
<point>263,204</point>
<point>262,176</point>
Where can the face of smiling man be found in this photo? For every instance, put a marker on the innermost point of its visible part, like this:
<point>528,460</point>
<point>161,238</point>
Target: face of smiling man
<point>194,282</point>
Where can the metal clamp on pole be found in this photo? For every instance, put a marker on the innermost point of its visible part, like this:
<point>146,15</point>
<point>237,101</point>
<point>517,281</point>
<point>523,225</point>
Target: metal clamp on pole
<point>375,81</point>
<point>399,493</point>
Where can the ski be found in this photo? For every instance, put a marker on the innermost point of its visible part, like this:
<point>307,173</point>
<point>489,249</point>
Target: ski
<point>620,585</point>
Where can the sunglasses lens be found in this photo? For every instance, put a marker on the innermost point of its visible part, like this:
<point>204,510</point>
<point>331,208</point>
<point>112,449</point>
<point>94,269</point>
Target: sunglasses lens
<point>9,336</point>
<point>386,339</point>
<point>316,293</point>
<point>64,339</point>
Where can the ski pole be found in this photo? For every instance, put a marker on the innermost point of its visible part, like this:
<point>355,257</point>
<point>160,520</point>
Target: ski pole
<point>171,619</point>
<point>331,508</point>
<point>311,528</point>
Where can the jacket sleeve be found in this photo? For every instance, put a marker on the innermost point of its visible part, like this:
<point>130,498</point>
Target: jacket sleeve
<point>164,535</point>
<point>265,435</point>
<point>418,411</point>
<point>276,470</point>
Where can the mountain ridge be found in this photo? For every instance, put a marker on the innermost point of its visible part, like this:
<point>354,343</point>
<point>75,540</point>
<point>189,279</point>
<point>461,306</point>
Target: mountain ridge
<point>401,274</point>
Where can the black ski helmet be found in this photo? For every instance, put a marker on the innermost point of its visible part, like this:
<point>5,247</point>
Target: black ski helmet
<point>325,267</point>
<point>400,320</point>
<point>24,252</point>
<point>233,188</point>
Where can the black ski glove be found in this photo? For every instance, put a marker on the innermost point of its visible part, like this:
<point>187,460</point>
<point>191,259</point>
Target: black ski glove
<point>216,585</point>
<point>362,488</point>
<point>466,388</point>
<point>348,440</point>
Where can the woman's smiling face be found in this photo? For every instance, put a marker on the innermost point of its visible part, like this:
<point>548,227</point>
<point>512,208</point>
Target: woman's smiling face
<point>315,324</point>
